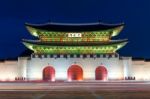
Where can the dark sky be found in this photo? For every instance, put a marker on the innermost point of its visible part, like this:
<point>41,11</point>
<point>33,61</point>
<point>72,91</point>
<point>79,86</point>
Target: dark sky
<point>134,13</point>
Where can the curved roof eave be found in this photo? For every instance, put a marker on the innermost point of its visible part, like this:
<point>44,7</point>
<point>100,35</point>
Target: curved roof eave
<point>74,27</point>
<point>38,42</point>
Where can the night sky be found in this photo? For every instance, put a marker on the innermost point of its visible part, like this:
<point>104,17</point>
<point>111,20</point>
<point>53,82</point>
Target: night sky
<point>134,13</point>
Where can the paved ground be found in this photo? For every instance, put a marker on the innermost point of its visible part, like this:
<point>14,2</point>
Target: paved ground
<point>76,90</point>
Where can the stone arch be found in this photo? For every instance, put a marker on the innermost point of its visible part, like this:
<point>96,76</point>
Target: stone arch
<point>49,73</point>
<point>75,72</point>
<point>101,73</point>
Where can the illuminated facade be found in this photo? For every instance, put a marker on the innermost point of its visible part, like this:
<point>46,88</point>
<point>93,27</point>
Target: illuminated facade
<point>74,39</point>
<point>70,52</point>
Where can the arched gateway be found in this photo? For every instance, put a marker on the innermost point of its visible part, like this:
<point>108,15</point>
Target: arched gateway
<point>70,43</point>
<point>75,72</point>
<point>101,73</point>
<point>49,74</point>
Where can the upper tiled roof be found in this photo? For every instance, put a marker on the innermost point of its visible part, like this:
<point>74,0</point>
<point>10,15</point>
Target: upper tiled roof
<point>65,27</point>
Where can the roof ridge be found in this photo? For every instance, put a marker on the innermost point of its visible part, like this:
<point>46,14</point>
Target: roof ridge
<point>73,24</point>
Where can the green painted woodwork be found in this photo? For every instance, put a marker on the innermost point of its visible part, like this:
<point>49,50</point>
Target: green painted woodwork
<point>52,36</point>
<point>103,49</point>
<point>93,35</point>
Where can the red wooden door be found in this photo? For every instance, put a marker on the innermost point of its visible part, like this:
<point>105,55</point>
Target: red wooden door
<point>49,73</point>
<point>101,73</point>
<point>75,72</point>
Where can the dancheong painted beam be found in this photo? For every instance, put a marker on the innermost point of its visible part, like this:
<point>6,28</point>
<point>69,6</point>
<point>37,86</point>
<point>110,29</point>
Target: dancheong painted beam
<point>47,49</point>
<point>56,38</point>
<point>93,30</point>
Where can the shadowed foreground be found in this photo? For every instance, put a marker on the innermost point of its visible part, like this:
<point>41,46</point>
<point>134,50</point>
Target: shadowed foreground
<point>74,95</point>
<point>76,90</point>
